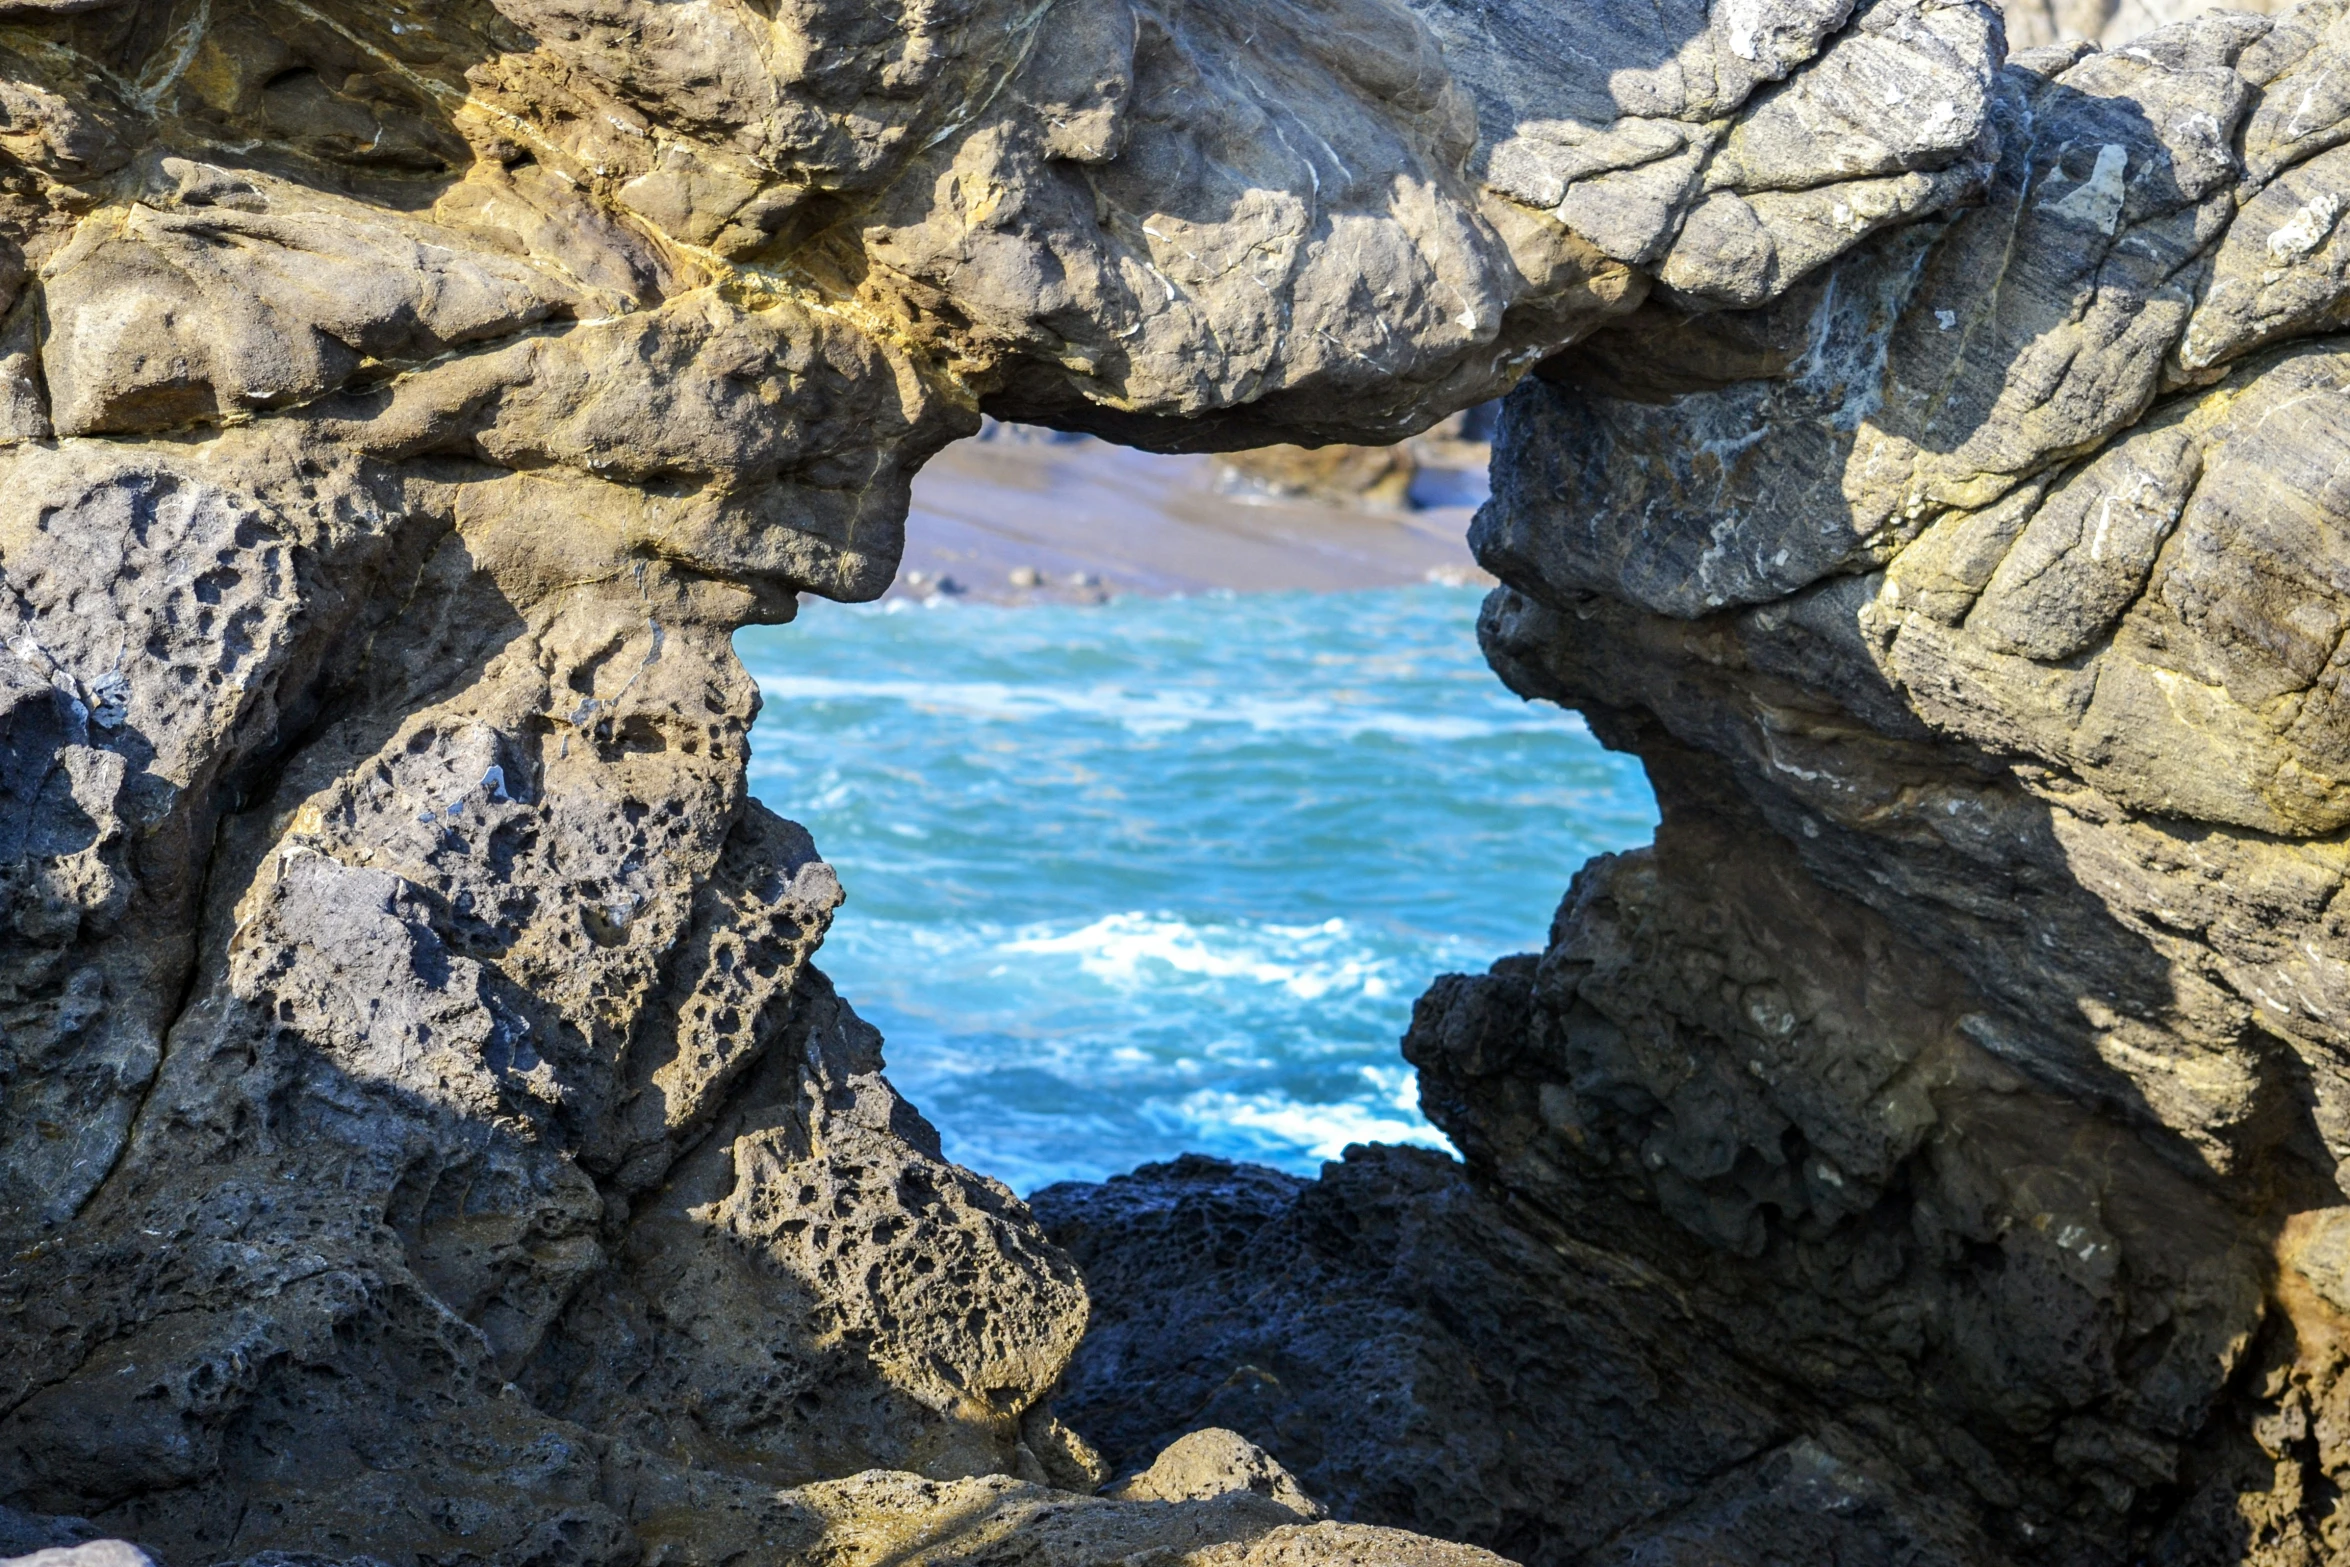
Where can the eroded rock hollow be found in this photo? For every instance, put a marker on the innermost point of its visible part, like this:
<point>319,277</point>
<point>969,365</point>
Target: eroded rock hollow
<point>423,1135</point>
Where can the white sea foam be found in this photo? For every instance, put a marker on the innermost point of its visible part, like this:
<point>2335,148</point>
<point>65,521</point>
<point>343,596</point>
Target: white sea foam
<point>1116,940</point>
<point>1396,1083</point>
<point>1167,711</point>
<point>1308,961</point>
<point>1321,1130</point>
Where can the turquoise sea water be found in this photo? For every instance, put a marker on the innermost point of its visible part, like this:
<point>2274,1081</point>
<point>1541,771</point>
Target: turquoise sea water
<point>1166,874</point>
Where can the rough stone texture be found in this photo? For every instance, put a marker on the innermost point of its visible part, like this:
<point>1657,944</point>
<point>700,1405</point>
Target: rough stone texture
<point>883,1519</point>
<point>2110,23</point>
<point>26,1534</point>
<point>1417,1349</point>
<point>1212,1461</point>
<point>897,1520</point>
<point>422,1135</point>
<point>1967,1062</point>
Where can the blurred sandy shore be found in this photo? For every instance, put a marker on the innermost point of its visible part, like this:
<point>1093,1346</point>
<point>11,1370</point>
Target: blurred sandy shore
<point>1025,518</point>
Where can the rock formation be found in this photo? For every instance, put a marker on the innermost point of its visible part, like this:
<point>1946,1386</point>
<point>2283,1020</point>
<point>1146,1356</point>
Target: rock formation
<point>1960,1086</point>
<point>1420,1349</point>
<point>423,1135</point>
<point>2032,24</point>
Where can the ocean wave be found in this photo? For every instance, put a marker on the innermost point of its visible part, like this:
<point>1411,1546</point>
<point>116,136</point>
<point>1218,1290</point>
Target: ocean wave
<point>1161,712</point>
<point>1319,1131</point>
<point>1307,961</point>
<point>1088,950</point>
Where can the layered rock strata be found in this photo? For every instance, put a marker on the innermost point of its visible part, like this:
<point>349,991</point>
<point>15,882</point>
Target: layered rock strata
<point>423,1135</point>
<point>1966,1061</point>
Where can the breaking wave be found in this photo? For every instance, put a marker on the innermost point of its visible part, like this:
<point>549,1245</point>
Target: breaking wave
<point>1152,712</point>
<point>1145,953</point>
<point>1167,874</point>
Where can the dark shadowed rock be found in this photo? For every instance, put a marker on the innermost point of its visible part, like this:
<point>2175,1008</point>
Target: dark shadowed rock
<point>1418,1353</point>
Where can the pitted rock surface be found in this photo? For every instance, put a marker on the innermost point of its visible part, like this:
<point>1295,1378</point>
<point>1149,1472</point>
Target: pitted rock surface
<point>423,1136</point>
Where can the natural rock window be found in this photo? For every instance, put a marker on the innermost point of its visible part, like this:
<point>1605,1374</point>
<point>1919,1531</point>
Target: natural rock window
<point>423,1137</point>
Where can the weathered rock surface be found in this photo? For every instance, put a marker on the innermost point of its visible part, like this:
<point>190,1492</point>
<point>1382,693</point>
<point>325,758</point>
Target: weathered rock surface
<point>1211,1461</point>
<point>1966,1062</point>
<point>2109,23</point>
<point>897,1520</point>
<point>422,1135</point>
<point>1418,1349</point>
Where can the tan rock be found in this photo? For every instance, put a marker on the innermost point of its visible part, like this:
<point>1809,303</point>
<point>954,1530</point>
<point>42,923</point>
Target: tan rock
<point>1213,1462</point>
<point>873,1519</point>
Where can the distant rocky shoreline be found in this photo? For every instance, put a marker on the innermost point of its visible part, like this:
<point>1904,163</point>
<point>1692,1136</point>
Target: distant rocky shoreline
<point>1017,515</point>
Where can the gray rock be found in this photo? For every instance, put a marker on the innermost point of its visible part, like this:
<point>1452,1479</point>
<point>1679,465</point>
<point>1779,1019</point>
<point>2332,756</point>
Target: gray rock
<point>425,1135</point>
<point>25,1534</point>
<point>1962,1065</point>
<point>1968,1045</point>
<point>1418,1351</point>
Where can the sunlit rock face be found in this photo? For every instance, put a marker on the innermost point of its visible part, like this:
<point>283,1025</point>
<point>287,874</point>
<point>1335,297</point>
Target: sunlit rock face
<point>422,1135</point>
<point>2112,24</point>
<point>1968,1061</point>
<point>1974,1044</point>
